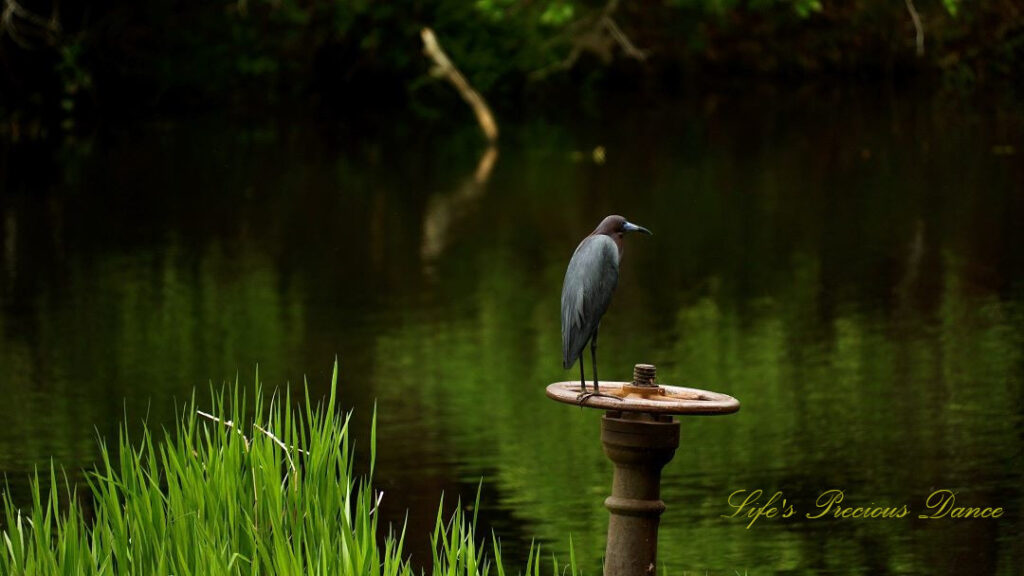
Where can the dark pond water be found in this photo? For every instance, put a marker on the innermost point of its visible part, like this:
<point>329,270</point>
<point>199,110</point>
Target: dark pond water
<point>848,265</point>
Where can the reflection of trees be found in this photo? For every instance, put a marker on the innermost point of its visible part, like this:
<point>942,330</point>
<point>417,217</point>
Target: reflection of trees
<point>882,403</point>
<point>9,245</point>
<point>869,351</point>
<point>105,344</point>
<point>847,321</point>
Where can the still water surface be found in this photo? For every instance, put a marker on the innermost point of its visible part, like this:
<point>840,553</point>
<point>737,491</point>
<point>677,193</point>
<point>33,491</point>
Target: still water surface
<point>848,265</point>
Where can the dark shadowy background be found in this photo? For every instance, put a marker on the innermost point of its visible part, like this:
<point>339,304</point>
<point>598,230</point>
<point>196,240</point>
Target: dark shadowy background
<point>62,62</point>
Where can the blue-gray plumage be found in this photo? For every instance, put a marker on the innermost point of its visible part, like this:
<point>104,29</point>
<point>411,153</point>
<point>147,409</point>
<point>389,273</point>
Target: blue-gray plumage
<point>590,281</point>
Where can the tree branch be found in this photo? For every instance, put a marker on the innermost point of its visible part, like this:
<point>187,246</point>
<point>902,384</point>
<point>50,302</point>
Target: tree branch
<point>21,24</point>
<point>443,67</point>
<point>917,26</point>
<point>597,33</point>
<point>627,46</point>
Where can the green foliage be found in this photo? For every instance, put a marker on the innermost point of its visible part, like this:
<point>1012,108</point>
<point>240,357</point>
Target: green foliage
<point>494,10</point>
<point>219,497</point>
<point>805,8</point>
<point>557,13</point>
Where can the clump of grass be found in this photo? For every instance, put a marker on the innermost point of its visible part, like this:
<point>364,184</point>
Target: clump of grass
<point>218,497</point>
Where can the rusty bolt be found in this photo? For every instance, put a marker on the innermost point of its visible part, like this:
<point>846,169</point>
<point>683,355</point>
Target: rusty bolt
<point>643,375</point>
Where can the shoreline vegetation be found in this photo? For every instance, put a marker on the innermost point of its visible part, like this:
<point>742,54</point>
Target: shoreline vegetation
<point>216,496</point>
<point>67,62</point>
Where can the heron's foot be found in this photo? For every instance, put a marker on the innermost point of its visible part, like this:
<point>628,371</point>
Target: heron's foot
<point>584,396</point>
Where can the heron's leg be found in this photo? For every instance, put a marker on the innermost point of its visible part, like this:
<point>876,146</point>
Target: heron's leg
<point>593,360</point>
<point>583,380</point>
<point>583,395</point>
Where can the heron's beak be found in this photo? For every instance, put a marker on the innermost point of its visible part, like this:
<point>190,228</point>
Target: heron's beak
<point>630,227</point>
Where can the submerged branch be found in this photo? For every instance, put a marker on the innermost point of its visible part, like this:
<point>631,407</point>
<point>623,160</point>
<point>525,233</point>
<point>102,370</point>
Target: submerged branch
<point>443,211</point>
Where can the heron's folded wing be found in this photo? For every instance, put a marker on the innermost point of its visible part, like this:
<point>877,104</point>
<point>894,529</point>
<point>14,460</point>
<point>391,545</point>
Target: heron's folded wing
<point>590,281</point>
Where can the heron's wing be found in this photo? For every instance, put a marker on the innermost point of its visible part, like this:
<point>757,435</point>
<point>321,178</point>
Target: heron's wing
<point>587,290</point>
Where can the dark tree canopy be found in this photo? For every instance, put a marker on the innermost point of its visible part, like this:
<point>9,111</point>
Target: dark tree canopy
<point>168,54</point>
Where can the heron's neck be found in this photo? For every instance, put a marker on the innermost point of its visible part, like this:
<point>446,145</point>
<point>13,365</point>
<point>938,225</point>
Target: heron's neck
<point>617,238</point>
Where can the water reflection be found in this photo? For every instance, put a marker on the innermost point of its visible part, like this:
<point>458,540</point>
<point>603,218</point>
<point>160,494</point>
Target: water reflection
<point>866,307</point>
<point>443,210</point>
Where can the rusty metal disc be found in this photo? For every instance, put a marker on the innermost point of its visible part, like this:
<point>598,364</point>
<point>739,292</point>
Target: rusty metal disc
<point>659,399</point>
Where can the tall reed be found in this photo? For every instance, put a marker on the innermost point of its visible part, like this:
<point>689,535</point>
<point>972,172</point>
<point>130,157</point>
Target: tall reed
<point>232,491</point>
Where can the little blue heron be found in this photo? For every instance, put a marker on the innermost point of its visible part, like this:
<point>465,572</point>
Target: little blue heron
<point>590,281</point>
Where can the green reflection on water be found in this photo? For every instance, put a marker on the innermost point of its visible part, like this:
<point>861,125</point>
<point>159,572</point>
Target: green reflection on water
<point>857,289</point>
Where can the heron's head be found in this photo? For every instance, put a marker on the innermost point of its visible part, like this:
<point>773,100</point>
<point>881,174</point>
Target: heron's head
<point>616,226</point>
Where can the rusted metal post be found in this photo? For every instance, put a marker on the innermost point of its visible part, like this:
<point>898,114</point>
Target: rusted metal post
<point>639,436</point>
<point>639,444</point>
